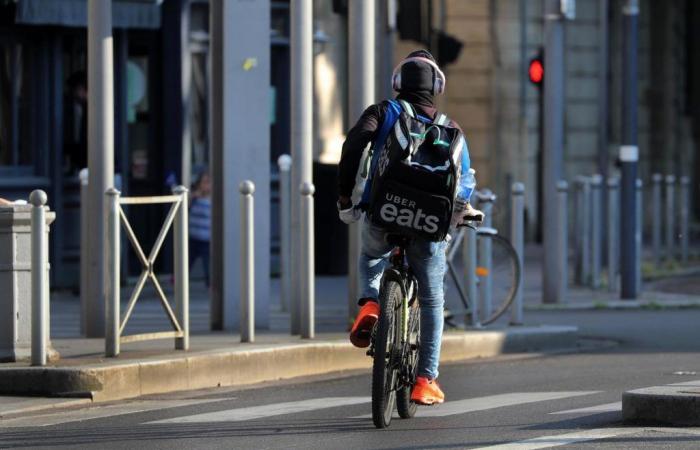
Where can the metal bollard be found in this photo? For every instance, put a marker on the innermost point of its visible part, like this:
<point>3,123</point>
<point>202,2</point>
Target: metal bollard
<point>469,263</point>
<point>308,290</point>
<point>562,242</point>
<point>583,227</point>
<point>638,234</point>
<point>112,308</point>
<point>685,217</point>
<point>517,232</point>
<point>656,180</point>
<point>247,302</point>
<point>613,232</point>
<point>596,229</point>
<point>40,288</point>
<point>182,268</point>
<point>284,163</point>
<point>670,217</point>
<point>485,258</point>
<point>84,265</point>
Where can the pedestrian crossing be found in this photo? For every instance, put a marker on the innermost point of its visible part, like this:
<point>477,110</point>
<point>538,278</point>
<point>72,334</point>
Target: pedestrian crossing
<point>218,410</point>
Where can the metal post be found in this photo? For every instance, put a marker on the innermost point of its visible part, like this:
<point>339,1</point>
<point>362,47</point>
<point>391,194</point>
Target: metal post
<point>284,162</point>
<point>485,257</point>
<point>596,230</point>
<point>307,267</point>
<point>100,154</point>
<point>361,63</point>
<point>247,263</point>
<point>613,232</point>
<point>638,235</point>
<point>517,233</point>
<point>583,218</point>
<point>562,266</point>
<point>469,263</point>
<point>301,86</point>
<point>553,130</point>
<point>629,152</point>
<point>656,179</point>
<point>670,217</point>
<point>40,300</point>
<point>84,242</point>
<point>685,217</point>
<point>112,311</point>
<point>182,268</point>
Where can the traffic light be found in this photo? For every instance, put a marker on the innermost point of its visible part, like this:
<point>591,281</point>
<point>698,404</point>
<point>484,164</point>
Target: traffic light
<point>535,70</point>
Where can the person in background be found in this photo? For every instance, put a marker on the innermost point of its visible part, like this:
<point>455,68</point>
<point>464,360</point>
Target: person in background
<point>200,222</point>
<point>75,122</point>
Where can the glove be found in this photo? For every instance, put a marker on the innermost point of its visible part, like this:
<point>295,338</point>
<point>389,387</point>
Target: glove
<point>349,215</point>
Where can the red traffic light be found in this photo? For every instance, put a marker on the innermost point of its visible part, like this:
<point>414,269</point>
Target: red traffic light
<point>536,71</point>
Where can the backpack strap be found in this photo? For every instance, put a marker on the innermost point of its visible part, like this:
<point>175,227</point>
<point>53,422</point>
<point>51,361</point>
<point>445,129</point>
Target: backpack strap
<point>408,108</point>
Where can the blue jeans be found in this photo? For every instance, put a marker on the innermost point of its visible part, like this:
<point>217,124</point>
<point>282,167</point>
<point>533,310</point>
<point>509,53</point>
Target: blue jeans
<point>428,262</point>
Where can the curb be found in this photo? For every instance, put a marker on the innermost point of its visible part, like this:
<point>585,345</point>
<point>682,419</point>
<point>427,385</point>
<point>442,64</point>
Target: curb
<point>617,305</point>
<point>662,405</point>
<point>226,367</point>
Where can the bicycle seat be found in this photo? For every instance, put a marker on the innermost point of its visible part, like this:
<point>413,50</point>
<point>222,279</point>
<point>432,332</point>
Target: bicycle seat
<point>398,240</point>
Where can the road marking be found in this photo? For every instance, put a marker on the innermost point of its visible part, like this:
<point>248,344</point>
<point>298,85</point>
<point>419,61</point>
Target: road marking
<point>582,436</point>
<point>607,407</point>
<point>490,402</point>
<point>99,412</point>
<point>258,412</point>
<point>686,383</point>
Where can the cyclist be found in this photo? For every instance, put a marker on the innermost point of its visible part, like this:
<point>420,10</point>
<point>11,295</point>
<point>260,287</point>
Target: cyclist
<point>420,81</point>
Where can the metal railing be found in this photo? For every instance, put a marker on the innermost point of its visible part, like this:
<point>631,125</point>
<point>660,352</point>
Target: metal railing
<point>179,319</point>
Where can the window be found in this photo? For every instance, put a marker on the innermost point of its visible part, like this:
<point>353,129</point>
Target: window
<point>15,108</point>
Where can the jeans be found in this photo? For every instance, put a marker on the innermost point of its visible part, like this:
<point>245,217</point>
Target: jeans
<point>200,249</point>
<point>428,262</point>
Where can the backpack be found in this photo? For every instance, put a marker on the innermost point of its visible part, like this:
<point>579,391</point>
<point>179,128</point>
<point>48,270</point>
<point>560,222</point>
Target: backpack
<point>414,175</point>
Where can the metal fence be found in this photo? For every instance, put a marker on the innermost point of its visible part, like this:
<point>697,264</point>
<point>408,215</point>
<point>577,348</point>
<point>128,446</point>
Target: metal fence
<point>116,219</point>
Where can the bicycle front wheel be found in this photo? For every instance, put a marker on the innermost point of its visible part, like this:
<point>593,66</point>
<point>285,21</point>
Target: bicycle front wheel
<point>405,406</point>
<point>385,366</point>
<point>504,275</point>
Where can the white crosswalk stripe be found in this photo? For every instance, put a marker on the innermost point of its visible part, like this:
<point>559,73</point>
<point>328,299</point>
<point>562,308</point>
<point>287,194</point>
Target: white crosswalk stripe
<point>98,412</point>
<point>259,412</point>
<point>583,436</point>
<point>493,401</point>
<point>607,407</point>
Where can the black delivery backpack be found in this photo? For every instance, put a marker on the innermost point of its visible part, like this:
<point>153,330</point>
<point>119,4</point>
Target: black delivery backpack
<point>415,177</point>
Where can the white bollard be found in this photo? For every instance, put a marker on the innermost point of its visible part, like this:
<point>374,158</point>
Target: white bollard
<point>685,217</point>
<point>84,265</point>
<point>485,258</point>
<point>40,301</point>
<point>517,232</point>
<point>670,217</point>
<point>112,308</point>
<point>562,242</point>
<point>308,292</point>
<point>613,232</point>
<point>596,230</point>
<point>247,302</point>
<point>182,268</point>
<point>469,263</point>
<point>656,215</point>
<point>285,164</point>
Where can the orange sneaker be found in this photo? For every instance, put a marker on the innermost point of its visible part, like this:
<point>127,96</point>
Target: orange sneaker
<point>362,328</point>
<point>427,392</point>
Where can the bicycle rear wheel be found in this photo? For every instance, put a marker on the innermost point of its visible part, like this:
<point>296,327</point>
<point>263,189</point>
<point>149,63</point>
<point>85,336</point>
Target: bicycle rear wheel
<point>385,365</point>
<point>505,273</point>
<point>404,405</point>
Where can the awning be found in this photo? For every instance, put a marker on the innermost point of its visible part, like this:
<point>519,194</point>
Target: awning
<point>73,13</point>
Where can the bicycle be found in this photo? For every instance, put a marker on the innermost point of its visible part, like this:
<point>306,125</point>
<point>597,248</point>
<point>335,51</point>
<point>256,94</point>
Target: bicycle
<point>504,273</point>
<point>394,345</point>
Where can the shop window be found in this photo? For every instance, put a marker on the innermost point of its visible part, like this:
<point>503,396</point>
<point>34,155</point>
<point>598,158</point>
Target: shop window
<point>16,149</point>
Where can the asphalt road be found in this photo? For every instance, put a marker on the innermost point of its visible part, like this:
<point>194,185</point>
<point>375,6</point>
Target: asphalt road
<point>568,400</point>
